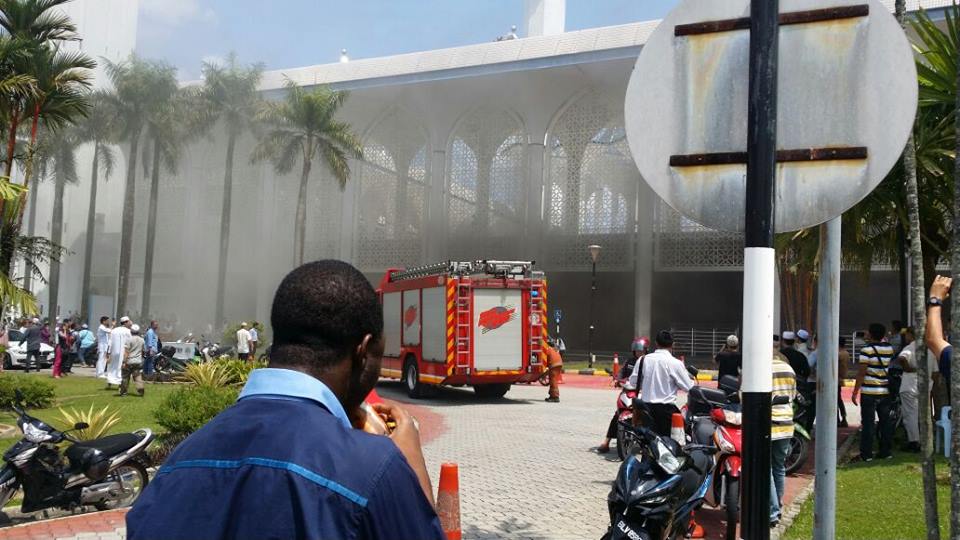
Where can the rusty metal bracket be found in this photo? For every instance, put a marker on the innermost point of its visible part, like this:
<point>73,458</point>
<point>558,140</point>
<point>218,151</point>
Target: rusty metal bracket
<point>794,17</point>
<point>843,153</point>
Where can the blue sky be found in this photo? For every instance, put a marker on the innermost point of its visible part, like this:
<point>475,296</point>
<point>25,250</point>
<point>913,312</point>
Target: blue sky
<point>289,33</point>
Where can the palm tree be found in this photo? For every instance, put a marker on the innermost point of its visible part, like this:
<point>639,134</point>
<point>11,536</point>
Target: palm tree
<point>32,24</point>
<point>136,83</point>
<point>302,126</point>
<point>230,93</point>
<point>100,129</point>
<point>173,121</point>
<point>919,319</point>
<point>62,144</point>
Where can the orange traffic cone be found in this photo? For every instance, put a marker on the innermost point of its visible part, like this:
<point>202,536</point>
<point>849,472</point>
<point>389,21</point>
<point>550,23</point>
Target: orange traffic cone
<point>448,500</point>
<point>616,366</point>
<point>676,429</point>
<point>696,530</point>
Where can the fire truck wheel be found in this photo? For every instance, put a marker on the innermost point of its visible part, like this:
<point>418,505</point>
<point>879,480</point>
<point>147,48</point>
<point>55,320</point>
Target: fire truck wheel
<point>491,390</point>
<point>411,376</point>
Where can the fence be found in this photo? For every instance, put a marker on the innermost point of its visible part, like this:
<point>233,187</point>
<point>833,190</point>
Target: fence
<point>700,342</point>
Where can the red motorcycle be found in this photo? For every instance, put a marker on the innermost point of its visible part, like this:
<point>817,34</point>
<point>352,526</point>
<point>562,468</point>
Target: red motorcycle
<point>726,475</point>
<point>626,439</point>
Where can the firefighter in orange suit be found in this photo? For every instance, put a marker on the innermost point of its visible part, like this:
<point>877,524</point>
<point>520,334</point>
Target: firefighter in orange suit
<point>554,366</point>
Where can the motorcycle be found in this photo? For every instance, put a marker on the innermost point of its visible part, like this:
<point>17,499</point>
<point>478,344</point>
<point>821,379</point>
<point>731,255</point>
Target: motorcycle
<point>800,442</point>
<point>713,418</point>
<point>106,473</point>
<point>658,488</point>
<point>626,441</point>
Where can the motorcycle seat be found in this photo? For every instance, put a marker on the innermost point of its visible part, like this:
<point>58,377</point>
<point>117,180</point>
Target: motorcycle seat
<point>110,445</point>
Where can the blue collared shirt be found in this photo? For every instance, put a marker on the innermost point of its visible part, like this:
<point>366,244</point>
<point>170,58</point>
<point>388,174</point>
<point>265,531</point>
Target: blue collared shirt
<point>150,339</point>
<point>283,462</point>
<point>286,384</point>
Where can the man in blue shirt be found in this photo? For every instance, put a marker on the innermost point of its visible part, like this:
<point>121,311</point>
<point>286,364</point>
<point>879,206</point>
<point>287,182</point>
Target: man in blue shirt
<point>152,343</point>
<point>85,340</point>
<point>285,461</point>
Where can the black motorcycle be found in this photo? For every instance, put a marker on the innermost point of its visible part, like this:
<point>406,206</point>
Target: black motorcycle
<point>658,488</point>
<point>105,473</point>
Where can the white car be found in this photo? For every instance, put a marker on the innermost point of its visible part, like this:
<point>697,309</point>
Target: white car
<point>16,354</point>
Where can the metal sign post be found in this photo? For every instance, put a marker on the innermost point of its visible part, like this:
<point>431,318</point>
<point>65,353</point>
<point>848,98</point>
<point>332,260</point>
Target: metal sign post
<point>828,330</point>
<point>702,111</point>
<point>759,267</point>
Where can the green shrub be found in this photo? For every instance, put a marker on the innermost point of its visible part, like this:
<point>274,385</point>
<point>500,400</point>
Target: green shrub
<point>37,393</point>
<point>238,370</point>
<point>187,409</point>
<point>207,375</point>
<point>99,421</point>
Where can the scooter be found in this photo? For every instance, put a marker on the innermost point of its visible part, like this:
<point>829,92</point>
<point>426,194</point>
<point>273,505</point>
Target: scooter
<point>658,488</point>
<point>106,473</point>
<point>800,442</point>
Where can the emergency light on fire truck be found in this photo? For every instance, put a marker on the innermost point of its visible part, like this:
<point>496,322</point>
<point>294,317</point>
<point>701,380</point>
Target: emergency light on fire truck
<point>478,323</point>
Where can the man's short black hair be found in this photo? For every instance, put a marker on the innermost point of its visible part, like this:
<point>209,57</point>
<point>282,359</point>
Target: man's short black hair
<point>877,331</point>
<point>321,313</point>
<point>664,339</point>
<point>104,319</point>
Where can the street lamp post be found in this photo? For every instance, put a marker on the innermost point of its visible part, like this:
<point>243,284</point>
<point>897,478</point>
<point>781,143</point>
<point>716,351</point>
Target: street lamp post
<point>594,255</point>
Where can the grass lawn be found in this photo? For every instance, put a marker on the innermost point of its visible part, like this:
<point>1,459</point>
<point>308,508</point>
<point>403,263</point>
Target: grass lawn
<point>80,392</point>
<point>880,500</point>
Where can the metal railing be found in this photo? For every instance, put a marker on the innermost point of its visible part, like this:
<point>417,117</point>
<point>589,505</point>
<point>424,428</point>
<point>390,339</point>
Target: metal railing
<point>700,342</point>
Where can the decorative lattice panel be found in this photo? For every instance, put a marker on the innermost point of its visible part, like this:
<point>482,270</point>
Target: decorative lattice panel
<point>393,194</point>
<point>486,197</point>
<point>591,186</point>
<point>683,244</point>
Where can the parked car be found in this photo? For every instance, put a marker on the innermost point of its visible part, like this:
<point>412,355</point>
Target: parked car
<point>16,354</point>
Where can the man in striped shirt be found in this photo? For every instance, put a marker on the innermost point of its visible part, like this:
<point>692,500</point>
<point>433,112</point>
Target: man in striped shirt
<point>873,383</point>
<point>781,430</point>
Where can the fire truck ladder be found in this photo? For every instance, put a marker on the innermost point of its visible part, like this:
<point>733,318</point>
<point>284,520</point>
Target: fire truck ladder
<point>536,322</point>
<point>465,268</point>
<point>464,321</point>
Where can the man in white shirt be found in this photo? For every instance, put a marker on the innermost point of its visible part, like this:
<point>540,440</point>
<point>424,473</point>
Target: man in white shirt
<point>103,346</point>
<point>254,338</point>
<point>663,376</point>
<point>243,342</point>
<point>119,337</point>
<point>909,398</point>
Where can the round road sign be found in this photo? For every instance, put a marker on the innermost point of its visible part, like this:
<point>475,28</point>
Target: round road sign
<point>847,91</point>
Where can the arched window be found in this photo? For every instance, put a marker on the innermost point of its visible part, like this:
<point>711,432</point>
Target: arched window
<point>392,196</point>
<point>486,198</point>
<point>591,186</point>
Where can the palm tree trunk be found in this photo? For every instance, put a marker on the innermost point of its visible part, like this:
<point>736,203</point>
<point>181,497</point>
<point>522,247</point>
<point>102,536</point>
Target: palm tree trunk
<point>955,334</point>
<point>12,140</point>
<point>31,231</point>
<point>126,228</point>
<point>301,225</point>
<point>918,301</point>
<point>88,244</point>
<point>151,231</point>
<point>56,236</point>
<point>226,214</point>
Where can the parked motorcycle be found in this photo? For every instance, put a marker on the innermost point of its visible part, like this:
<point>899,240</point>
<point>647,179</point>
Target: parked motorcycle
<point>105,473</point>
<point>713,418</point>
<point>800,442</point>
<point>658,488</point>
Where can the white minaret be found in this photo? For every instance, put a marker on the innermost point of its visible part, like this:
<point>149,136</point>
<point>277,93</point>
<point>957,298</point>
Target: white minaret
<point>544,17</point>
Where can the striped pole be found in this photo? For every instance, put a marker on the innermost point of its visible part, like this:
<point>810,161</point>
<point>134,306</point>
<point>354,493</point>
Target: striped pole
<point>451,325</point>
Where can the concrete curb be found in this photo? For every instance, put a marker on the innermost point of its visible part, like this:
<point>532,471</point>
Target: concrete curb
<point>792,510</point>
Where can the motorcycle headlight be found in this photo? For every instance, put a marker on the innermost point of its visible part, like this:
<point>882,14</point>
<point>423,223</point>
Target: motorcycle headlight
<point>34,434</point>
<point>670,463</point>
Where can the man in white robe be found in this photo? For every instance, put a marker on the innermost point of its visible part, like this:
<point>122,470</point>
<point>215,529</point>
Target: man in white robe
<point>118,342</point>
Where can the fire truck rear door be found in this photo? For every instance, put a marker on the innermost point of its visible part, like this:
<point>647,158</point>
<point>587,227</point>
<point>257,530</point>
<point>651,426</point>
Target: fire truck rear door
<point>498,329</point>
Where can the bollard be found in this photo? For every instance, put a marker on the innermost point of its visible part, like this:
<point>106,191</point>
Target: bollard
<point>676,429</point>
<point>448,500</point>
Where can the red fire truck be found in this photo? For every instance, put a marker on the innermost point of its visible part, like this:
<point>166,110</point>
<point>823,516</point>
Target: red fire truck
<point>479,323</point>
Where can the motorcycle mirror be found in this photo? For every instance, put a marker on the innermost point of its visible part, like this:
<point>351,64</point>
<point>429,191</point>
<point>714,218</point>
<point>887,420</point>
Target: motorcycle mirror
<point>81,425</point>
<point>18,394</point>
<point>692,371</point>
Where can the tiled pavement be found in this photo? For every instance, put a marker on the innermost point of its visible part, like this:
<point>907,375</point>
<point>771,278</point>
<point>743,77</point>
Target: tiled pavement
<point>528,469</point>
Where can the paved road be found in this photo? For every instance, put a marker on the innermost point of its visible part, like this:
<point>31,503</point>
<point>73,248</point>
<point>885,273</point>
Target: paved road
<point>527,468</point>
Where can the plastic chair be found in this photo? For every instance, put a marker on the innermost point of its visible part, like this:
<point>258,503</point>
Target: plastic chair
<point>943,431</point>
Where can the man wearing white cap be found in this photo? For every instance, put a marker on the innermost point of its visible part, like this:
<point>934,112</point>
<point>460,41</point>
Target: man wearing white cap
<point>796,359</point>
<point>133,362</point>
<point>729,360</point>
<point>118,343</point>
<point>103,346</point>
